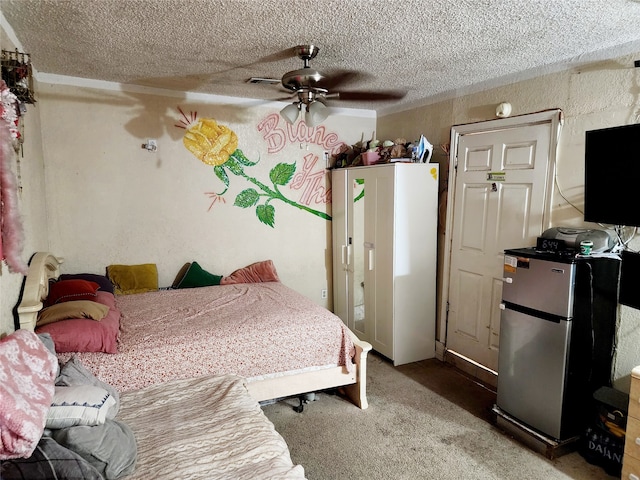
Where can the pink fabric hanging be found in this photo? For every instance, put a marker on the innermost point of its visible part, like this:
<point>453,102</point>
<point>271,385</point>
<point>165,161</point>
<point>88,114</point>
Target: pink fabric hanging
<point>11,232</point>
<point>2,168</point>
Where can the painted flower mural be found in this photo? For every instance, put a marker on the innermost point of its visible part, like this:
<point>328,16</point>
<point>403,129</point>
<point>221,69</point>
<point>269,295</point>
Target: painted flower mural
<point>217,145</point>
<point>211,143</point>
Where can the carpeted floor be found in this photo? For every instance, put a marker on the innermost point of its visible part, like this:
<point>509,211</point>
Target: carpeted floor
<point>425,420</point>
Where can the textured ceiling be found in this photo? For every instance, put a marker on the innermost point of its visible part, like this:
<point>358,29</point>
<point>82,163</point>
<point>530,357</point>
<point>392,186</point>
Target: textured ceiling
<point>433,49</point>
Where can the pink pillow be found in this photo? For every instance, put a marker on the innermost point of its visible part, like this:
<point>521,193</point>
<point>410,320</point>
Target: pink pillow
<point>27,376</point>
<point>264,271</point>
<point>66,290</point>
<point>85,335</point>
<point>106,298</point>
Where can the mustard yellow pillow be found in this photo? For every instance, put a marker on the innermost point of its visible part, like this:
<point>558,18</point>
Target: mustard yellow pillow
<point>73,309</point>
<point>128,279</point>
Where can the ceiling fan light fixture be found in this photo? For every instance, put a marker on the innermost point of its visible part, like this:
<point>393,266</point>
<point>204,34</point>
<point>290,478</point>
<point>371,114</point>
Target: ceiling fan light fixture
<point>290,112</point>
<point>317,112</point>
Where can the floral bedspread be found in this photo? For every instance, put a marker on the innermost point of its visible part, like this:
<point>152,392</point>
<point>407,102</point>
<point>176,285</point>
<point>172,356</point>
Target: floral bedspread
<point>250,330</point>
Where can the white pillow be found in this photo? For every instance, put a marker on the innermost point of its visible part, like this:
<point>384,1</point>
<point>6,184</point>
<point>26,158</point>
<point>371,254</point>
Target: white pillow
<point>79,405</point>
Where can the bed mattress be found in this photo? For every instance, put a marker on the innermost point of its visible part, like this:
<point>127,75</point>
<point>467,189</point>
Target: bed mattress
<point>204,428</point>
<point>255,331</point>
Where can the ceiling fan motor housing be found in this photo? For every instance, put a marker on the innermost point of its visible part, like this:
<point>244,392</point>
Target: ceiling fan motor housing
<point>302,78</point>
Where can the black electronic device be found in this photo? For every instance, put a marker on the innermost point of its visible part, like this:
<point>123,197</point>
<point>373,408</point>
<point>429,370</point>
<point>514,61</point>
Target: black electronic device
<point>602,241</point>
<point>630,279</point>
<point>612,175</point>
<point>553,245</point>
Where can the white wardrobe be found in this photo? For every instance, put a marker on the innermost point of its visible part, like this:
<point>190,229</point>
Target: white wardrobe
<point>385,254</point>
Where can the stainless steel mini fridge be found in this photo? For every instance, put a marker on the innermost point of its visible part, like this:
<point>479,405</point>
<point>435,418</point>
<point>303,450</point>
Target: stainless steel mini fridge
<point>556,338</point>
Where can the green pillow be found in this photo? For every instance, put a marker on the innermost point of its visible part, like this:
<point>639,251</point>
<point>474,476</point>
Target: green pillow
<point>196,276</point>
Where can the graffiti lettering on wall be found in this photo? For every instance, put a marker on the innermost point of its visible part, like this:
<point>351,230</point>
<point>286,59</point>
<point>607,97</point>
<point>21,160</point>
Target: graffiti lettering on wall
<point>277,137</point>
<point>217,145</point>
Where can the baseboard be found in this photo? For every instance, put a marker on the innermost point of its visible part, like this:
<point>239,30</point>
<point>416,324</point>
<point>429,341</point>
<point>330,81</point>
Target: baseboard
<point>480,373</point>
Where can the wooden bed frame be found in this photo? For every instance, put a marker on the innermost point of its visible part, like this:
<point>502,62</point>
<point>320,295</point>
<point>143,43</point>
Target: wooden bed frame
<point>45,266</point>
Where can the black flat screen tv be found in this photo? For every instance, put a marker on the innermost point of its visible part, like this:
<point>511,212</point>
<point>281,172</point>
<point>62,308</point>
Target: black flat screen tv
<point>612,176</point>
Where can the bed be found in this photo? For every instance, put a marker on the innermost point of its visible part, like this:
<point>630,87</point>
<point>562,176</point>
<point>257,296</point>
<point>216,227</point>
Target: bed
<point>152,350</point>
<point>65,423</point>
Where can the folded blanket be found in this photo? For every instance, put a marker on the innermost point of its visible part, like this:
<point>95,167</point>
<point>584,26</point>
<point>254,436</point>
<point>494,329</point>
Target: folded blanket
<point>49,461</point>
<point>27,376</point>
<point>110,448</point>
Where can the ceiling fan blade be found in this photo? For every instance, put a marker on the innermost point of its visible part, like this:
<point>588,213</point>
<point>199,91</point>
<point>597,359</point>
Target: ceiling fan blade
<point>336,78</point>
<point>277,56</point>
<point>274,57</point>
<point>288,98</point>
<point>373,96</point>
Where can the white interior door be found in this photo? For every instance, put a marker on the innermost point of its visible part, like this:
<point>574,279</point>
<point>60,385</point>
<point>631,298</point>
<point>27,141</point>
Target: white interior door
<point>499,198</point>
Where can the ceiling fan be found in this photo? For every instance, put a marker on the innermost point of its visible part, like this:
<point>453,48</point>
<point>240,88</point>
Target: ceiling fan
<point>312,89</point>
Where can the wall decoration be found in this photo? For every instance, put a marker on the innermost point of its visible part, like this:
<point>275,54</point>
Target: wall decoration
<point>10,113</point>
<point>18,75</point>
<point>11,230</point>
<point>278,137</point>
<point>217,145</point>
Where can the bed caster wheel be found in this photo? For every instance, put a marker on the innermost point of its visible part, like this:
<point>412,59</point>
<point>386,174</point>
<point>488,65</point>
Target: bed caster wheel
<point>305,398</point>
<point>300,407</point>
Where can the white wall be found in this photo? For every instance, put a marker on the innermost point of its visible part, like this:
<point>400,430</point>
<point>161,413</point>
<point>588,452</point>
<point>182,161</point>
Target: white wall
<point>597,95</point>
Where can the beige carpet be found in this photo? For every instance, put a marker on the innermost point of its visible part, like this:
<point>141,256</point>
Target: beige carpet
<point>424,421</point>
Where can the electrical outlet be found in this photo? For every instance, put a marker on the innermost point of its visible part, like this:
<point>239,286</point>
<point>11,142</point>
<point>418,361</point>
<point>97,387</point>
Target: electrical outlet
<point>323,293</point>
